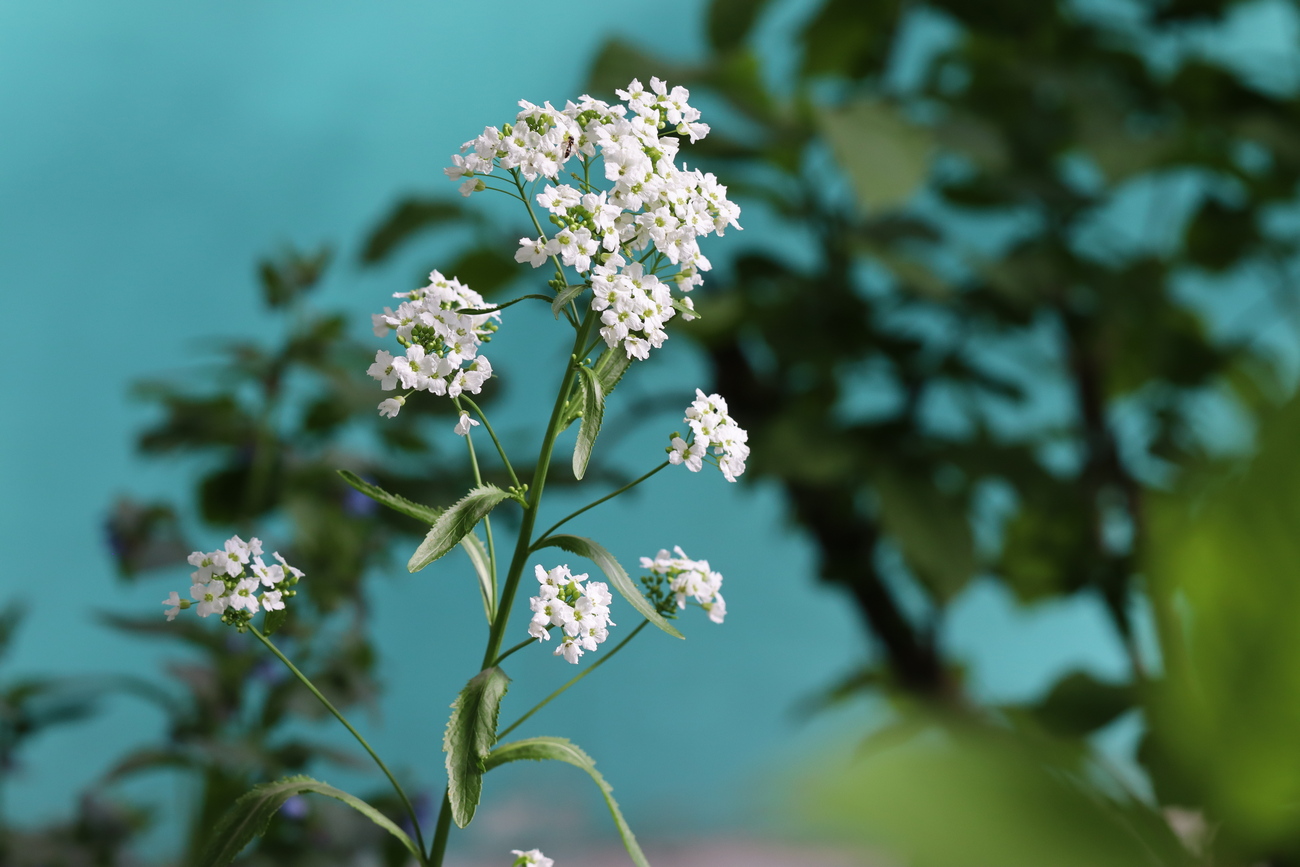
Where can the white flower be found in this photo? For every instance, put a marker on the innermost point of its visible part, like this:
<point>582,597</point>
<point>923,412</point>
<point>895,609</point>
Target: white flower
<point>581,610</point>
<point>175,603</point>
<point>390,407</point>
<point>711,428</point>
<point>531,858</point>
<point>242,597</point>
<point>384,371</point>
<point>271,600</point>
<point>465,423</point>
<point>689,579</point>
<point>534,251</point>
<point>211,596</point>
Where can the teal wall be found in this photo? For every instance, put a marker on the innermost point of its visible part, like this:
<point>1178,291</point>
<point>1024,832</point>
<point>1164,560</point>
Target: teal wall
<point>150,151</point>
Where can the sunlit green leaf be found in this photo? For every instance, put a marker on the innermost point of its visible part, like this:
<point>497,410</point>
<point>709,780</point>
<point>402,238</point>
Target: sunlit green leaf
<point>471,734</point>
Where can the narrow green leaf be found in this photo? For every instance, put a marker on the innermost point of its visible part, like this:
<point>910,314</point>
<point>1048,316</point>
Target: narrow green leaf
<point>593,413</point>
<point>427,514</point>
<point>731,21</point>
<point>251,814</point>
<point>567,294</point>
<point>471,734</point>
<point>478,555</point>
<point>563,750</point>
<point>453,524</point>
<point>617,576</point>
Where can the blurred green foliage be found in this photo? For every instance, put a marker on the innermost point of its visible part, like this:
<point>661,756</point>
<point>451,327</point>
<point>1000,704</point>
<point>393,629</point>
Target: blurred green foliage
<point>980,206</point>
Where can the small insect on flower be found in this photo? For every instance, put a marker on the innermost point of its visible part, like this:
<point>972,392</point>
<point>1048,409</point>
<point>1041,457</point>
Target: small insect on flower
<point>568,146</point>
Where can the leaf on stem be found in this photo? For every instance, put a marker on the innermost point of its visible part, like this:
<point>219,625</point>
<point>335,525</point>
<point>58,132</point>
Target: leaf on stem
<point>427,514</point>
<point>471,734</point>
<point>273,620</point>
<point>478,555</point>
<point>567,294</point>
<point>609,368</point>
<point>563,750</point>
<point>616,574</point>
<point>251,815</point>
<point>593,413</point>
<point>455,523</point>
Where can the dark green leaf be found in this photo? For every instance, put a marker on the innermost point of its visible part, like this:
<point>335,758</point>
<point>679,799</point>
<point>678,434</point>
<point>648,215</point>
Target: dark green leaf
<point>584,547</point>
<point>251,814</point>
<point>1079,704</point>
<point>453,524</point>
<point>562,750</point>
<point>471,734</point>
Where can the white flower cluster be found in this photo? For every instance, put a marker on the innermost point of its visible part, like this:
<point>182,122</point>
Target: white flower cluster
<point>226,582</point>
<point>441,342</point>
<point>581,611</point>
<point>711,427</point>
<point>689,578</point>
<point>531,858</point>
<point>651,202</point>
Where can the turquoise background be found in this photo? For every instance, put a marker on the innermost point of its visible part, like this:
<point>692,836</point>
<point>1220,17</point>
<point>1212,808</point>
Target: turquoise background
<point>149,153</point>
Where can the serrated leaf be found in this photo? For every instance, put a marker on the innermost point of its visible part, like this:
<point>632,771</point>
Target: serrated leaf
<point>567,294</point>
<point>593,414</point>
<point>419,512</point>
<point>453,524</point>
<point>251,814</point>
<point>617,576</point>
<point>471,734</point>
<point>478,556</point>
<point>562,750</point>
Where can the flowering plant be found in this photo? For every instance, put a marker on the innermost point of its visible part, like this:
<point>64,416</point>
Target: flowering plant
<point>627,221</point>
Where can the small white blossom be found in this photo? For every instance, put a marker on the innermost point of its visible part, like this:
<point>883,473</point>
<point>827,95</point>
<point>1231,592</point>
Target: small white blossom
<point>465,423</point>
<point>175,603</point>
<point>580,609</point>
<point>531,858</point>
<point>687,578</point>
<point>711,428</point>
<point>226,583</point>
<point>390,407</point>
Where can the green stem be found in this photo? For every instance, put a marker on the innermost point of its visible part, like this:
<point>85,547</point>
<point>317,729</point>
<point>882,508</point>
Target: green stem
<point>559,271</point>
<point>544,702</point>
<point>410,810</point>
<point>487,425</point>
<point>523,546</point>
<point>440,833</point>
<point>608,496</point>
<point>520,646</point>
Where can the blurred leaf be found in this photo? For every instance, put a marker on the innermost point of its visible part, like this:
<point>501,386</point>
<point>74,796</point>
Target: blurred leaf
<point>731,21</point>
<point>963,796</point>
<point>885,158</point>
<point>620,61</point>
<point>290,274</point>
<point>145,536</point>
<point>407,219</point>
<point>931,529</point>
<point>1221,559</point>
<point>471,734</point>
<point>251,815</point>
<point>1079,705</point>
<point>562,750</point>
<point>486,269</point>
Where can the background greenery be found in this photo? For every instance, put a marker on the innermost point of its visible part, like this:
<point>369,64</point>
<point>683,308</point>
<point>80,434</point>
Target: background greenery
<point>1012,309</point>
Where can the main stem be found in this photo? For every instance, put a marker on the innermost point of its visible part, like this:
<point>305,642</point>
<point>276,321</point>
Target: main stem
<point>397,787</point>
<point>524,543</point>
